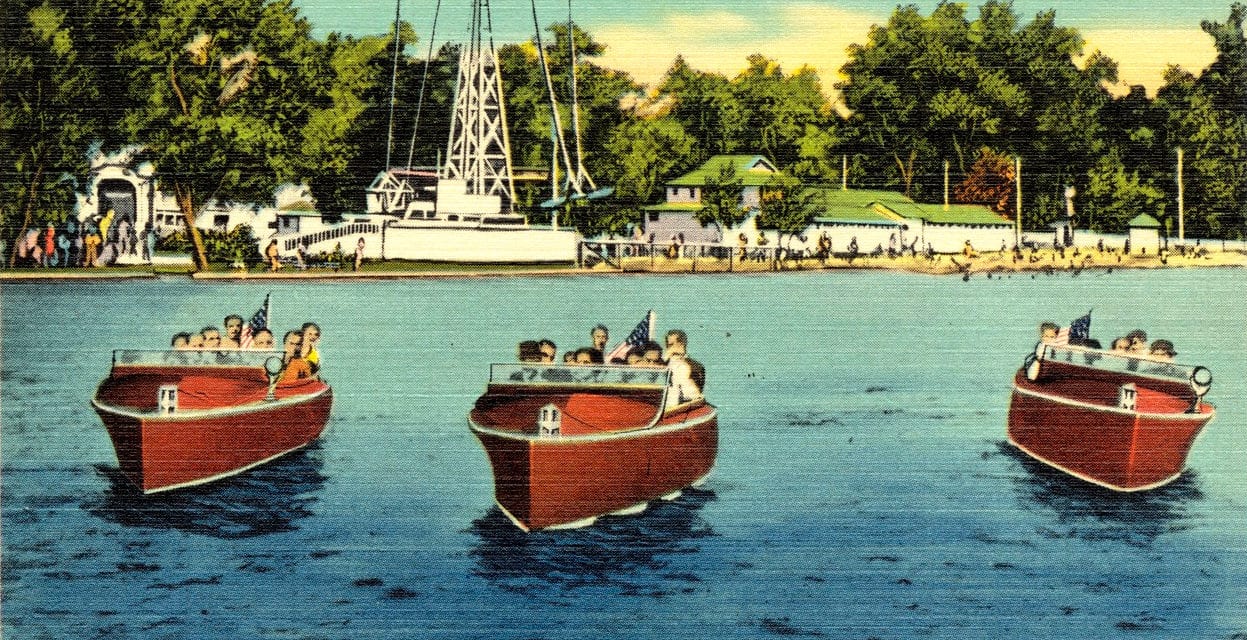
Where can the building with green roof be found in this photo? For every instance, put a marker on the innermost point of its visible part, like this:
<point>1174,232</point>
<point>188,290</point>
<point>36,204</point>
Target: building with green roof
<point>1144,234</point>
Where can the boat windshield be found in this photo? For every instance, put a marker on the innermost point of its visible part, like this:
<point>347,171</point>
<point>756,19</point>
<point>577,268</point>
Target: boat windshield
<point>604,375</point>
<point>193,357</point>
<point>1117,362</point>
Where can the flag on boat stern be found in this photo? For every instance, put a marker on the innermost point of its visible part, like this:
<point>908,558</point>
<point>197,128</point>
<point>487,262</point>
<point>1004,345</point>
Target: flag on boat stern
<point>643,333</point>
<point>1077,332</point>
<point>254,325</point>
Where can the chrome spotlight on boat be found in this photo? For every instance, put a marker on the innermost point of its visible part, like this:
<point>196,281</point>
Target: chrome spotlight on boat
<point>272,367</point>
<point>1201,382</point>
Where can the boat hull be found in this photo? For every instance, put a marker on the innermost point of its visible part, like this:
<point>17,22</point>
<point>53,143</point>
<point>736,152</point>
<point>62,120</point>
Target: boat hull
<point>560,482</point>
<point>163,452</point>
<point>1120,449</point>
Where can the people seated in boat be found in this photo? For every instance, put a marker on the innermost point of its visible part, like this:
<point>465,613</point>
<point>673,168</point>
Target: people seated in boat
<point>651,355</point>
<point>311,339</point>
<point>212,338</point>
<point>1138,341</point>
<point>585,356</point>
<point>569,357</point>
<point>1121,345</point>
<point>294,366</point>
<point>549,351</point>
<point>529,351</point>
<point>196,341</point>
<point>233,331</point>
<point>1048,332</point>
<point>600,336</point>
<point>685,387</point>
<point>181,341</point>
<point>1162,350</point>
<point>263,340</point>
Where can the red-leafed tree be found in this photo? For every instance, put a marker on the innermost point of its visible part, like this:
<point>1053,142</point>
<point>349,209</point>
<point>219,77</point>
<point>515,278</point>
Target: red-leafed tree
<point>989,182</point>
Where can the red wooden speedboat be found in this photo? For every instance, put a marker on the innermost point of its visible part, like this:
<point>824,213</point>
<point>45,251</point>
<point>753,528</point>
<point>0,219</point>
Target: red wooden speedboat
<point>183,418</point>
<point>1125,423</point>
<point>570,443</point>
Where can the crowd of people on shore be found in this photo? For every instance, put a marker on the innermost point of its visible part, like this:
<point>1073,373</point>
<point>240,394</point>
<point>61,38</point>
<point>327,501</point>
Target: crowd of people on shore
<point>94,243</point>
<point>688,379</point>
<point>300,356</point>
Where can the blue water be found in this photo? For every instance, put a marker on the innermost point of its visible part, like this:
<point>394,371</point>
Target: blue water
<point>863,487</point>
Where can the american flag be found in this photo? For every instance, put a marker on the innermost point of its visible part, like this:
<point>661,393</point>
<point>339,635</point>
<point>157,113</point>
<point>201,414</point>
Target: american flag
<point>258,321</point>
<point>640,335</point>
<point>1077,331</point>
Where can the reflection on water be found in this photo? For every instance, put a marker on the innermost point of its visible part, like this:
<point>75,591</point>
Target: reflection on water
<point>623,553</point>
<point>267,499</point>
<point>1091,512</point>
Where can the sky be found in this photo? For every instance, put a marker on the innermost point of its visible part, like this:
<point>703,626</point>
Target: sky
<point>643,37</point>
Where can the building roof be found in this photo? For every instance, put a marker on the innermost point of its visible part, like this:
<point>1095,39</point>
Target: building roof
<point>870,206</point>
<point>1143,221</point>
<point>963,214</point>
<point>751,170</point>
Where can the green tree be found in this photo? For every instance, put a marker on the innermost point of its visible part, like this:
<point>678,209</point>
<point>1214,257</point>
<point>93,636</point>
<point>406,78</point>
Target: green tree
<point>643,151</point>
<point>46,111</point>
<point>779,108</point>
<point>229,88</point>
<point>721,199</point>
<point>1114,195</point>
<point>706,106</point>
<point>787,207</point>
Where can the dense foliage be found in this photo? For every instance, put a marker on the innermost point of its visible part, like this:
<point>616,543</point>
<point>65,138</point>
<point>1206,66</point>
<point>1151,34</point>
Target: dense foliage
<point>230,98</point>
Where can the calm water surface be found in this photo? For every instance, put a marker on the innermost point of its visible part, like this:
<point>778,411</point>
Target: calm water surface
<point>863,488</point>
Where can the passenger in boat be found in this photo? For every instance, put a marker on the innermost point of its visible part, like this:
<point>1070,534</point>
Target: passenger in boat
<point>181,340</point>
<point>311,338</point>
<point>651,355</point>
<point>634,357</point>
<point>1162,350</point>
<point>1121,345</point>
<point>263,340</point>
<point>294,367</point>
<point>529,351</point>
<point>600,336</point>
<point>1138,340</point>
<point>549,351</point>
<point>233,330</point>
<point>585,356</point>
<point>569,357</point>
<point>196,341</point>
<point>212,337</point>
<point>1048,332</point>
<point>685,385</point>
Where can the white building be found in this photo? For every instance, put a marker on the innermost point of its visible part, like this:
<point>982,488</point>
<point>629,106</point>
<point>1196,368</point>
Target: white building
<point>677,215</point>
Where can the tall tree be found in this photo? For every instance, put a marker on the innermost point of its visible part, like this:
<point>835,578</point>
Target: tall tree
<point>721,199</point>
<point>786,207</point>
<point>229,89</point>
<point>47,97</point>
<point>705,105</point>
<point>778,108</point>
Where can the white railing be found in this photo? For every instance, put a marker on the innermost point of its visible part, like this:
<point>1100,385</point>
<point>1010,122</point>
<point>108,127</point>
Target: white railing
<point>332,234</point>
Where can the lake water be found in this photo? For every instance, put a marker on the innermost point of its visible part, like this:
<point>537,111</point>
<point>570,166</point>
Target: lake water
<point>863,488</point>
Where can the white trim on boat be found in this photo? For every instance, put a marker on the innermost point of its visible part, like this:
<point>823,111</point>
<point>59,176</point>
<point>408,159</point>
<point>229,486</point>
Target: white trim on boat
<point>1193,417</point>
<point>1086,478</point>
<point>596,437</point>
<point>200,414</point>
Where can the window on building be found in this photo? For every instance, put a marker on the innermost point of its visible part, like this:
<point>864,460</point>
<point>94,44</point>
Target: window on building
<point>653,216</point>
<point>220,221</point>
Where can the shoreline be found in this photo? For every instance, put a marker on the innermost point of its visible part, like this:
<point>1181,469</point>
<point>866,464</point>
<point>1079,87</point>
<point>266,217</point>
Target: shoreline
<point>985,264</point>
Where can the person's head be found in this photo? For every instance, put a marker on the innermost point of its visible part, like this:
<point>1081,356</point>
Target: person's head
<point>529,351</point>
<point>677,343</point>
<point>548,350</point>
<point>1121,344</point>
<point>651,353</point>
<point>1138,340</point>
<point>584,356</point>
<point>635,356</point>
<point>1048,331</point>
<point>212,337</point>
<point>196,341</point>
<point>233,326</point>
<point>311,332</point>
<point>569,357</point>
<point>1162,350</point>
<point>600,335</point>
<point>262,340</point>
<point>181,340</point>
<point>291,343</point>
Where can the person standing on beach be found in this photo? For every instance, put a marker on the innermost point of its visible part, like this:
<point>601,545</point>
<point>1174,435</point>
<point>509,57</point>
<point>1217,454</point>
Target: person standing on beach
<point>359,253</point>
<point>272,254</point>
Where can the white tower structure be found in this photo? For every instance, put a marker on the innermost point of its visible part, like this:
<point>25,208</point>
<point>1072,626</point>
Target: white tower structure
<point>479,150</point>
